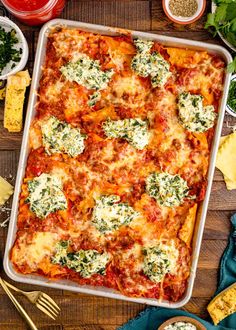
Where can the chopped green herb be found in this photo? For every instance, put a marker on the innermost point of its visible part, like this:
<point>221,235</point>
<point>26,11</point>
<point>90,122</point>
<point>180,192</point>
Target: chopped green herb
<point>232,96</point>
<point>94,98</point>
<point>7,51</point>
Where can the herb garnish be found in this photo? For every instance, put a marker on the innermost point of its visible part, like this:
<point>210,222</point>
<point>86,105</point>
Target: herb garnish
<point>7,51</point>
<point>232,96</point>
<point>223,20</point>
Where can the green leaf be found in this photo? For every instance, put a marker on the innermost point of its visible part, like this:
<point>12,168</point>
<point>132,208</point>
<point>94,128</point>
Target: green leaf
<point>231,11</point>
<point>218,2</point>
<point>233,25</point>
<point>210,21</point>
<point>231,37</point>
<point>220,14</point>
<point>232,66</point>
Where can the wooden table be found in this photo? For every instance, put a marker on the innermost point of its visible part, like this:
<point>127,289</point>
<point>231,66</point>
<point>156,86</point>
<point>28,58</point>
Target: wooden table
<point>80,311</point>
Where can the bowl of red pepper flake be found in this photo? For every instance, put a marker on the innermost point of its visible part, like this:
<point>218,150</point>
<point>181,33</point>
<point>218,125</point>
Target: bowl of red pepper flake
<point>184,12</point>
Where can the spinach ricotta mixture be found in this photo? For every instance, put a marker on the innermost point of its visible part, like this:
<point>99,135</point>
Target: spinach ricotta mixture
<point>169,190</point>
<point>108,214</point>
<point>94,98</point>
<point>46,195</point>
<point>84,262</point>
<point>61,137</point>
<point>180,326</point>
<point>88,73</point>
<point>158,261</point>
<point>193,115</point>
<point>145,63</point>
<point>133,130</point>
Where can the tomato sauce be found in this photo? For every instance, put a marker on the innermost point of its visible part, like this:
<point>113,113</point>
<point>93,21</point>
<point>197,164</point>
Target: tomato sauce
<point>27,5</point>
<point>34,12</point>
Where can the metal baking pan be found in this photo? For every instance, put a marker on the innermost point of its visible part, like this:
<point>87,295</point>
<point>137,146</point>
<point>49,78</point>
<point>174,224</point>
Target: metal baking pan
<point>202,210</point>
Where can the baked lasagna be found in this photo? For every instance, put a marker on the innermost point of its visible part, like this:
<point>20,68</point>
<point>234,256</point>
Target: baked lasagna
<point>119,154</point>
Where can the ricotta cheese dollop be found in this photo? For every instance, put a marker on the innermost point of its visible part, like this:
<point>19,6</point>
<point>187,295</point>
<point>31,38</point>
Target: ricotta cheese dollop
<point>61,137</point>
<point>87,72</point>
<point>84,262</point>
<point>147,64</point>
<point>180,326</point>
<point>46,195</point>
<point>133,130</point>
<point>193,115</point>
<point>108,214</point>
<point>169,190</point>
<point>159,260</point>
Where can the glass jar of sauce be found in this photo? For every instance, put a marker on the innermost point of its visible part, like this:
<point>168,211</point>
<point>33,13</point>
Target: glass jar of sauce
<point>34,12</point>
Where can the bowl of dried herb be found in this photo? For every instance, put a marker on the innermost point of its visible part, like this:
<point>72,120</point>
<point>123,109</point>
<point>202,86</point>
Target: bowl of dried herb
<point>184,12</point>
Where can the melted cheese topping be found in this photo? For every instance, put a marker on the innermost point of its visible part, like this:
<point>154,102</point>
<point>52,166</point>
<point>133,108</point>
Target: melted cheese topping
<point>33,251</point>
<point>128,91</point>
<point>53,91</point>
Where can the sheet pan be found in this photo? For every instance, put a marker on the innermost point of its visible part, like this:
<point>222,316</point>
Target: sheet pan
<point>202,210</point>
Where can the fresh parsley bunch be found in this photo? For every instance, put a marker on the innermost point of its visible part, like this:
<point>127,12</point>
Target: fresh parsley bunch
<point>224,21</point>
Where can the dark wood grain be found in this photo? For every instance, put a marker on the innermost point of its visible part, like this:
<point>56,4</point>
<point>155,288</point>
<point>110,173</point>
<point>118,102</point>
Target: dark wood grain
<point>84,312</point>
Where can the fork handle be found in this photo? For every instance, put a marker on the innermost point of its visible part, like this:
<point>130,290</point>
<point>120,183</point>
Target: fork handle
<point>18,306</point>
<point>11,286</point>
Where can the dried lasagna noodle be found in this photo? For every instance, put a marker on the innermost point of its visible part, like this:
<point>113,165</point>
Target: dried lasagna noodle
<point>6,190</point>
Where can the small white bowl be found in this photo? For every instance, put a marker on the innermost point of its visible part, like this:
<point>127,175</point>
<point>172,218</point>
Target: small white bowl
<point>7,24</point>
<point>184,20</point>
<point>228,109</point>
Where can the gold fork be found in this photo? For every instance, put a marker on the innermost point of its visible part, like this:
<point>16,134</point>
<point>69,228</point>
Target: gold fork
<point>45,303</point>
<point>18,306</point>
